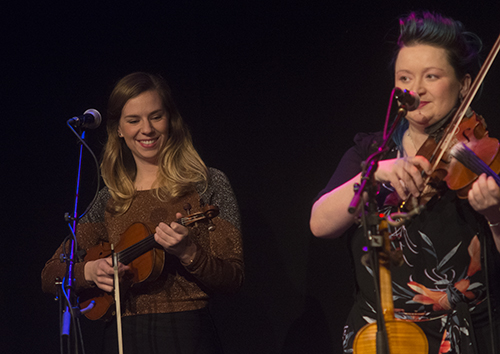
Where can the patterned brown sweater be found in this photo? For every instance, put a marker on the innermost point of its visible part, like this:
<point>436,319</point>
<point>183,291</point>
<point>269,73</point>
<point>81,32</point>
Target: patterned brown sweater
<point>217,268</point>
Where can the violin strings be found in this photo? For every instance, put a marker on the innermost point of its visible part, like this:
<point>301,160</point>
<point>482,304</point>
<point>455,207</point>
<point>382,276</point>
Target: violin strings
<point>130,253</point>
<point>470,160</point>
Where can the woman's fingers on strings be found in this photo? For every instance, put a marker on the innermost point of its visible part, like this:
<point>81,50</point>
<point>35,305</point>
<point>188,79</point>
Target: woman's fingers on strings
<point>484,193</point>
<point>172,237</point>
<point>493,187</point>
<point>179,229</point>
<point>485,190</point>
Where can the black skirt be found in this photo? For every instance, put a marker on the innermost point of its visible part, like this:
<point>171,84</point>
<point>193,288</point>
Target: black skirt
<point>189,332</point>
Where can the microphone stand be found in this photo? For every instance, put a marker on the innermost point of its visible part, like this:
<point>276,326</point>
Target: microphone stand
<point>71,311</point>
<point>370,221</point>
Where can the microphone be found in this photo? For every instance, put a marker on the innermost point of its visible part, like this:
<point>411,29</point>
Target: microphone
<point>409,99</point>
<point>90,119</point>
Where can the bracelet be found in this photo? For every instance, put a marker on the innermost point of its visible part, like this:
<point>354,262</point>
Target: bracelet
<point>493,225</point>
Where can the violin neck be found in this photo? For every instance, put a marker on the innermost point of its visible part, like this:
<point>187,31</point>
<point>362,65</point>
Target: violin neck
<point>385,279</point>
<point>386,292</point>
<point>130,253</point>
<point>147,244</point>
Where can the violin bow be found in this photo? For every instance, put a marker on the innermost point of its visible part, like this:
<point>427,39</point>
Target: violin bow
<point>117,301</point>
<point>462,109</point>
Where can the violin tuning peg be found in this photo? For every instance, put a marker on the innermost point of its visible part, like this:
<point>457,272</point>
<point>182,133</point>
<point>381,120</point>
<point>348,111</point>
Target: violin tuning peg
<point>211,226</point>
<point>187,208</point>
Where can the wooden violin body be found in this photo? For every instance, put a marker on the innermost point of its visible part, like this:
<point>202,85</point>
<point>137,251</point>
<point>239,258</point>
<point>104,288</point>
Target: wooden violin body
<point>474,135</point>
<point>471,132</point>
<point>457,174</point>
<point>403,337</point>
<point>144,256</point>
<point>146,266</point>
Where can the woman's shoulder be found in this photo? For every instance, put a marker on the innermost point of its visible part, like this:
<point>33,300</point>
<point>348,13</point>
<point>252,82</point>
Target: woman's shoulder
<point>217,184</point>
<point>215,175</point>
<point>368,143</point>
<point>216,181</point>
<point>218,191</point>
<point>366,140</point>
<point>96,211</point>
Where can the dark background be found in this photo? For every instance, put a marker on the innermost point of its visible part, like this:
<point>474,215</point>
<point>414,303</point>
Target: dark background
<point>273,92</point>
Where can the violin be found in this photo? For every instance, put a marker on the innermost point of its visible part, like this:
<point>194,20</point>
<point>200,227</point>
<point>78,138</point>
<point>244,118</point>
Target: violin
<point>458,154</point>
<point>469,132</point>
<point>138,249</point>
<point>402,336</point>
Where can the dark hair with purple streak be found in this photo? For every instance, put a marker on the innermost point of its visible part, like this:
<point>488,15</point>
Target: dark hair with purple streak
<point>436,30</point>
<point>433,29</point>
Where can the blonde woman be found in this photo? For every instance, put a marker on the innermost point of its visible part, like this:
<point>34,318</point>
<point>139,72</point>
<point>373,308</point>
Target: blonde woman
<point>154,176</point>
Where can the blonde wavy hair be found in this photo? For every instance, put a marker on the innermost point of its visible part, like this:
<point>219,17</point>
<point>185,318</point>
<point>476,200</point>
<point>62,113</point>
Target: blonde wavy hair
<point>180,166</point>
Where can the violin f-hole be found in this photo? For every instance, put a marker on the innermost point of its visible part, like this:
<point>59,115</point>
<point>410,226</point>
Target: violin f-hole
<point>466,137</point>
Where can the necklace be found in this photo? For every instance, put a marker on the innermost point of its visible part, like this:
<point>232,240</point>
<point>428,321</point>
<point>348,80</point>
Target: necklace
<point>412,142</point>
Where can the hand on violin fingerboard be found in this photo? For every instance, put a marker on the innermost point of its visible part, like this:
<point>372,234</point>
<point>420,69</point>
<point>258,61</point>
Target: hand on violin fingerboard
<point>174,238</point>
<point>484,197</point>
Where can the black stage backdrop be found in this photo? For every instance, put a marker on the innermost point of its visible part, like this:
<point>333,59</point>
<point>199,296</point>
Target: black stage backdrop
<point>273,93</point>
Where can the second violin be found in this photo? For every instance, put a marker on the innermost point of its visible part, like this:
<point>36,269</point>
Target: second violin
<point>138,249</point>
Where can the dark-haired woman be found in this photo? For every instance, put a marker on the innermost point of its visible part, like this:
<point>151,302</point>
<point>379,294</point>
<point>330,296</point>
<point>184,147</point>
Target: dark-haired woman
<point>442,284</point>
<point>152,171</point>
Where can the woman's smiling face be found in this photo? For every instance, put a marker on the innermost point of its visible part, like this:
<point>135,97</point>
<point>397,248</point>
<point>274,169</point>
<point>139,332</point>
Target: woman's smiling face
<point>144,127</point>
<point>426,70</point>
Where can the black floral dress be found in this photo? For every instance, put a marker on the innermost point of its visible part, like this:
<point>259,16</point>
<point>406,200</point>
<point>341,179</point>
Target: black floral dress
<point>441,285</point>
